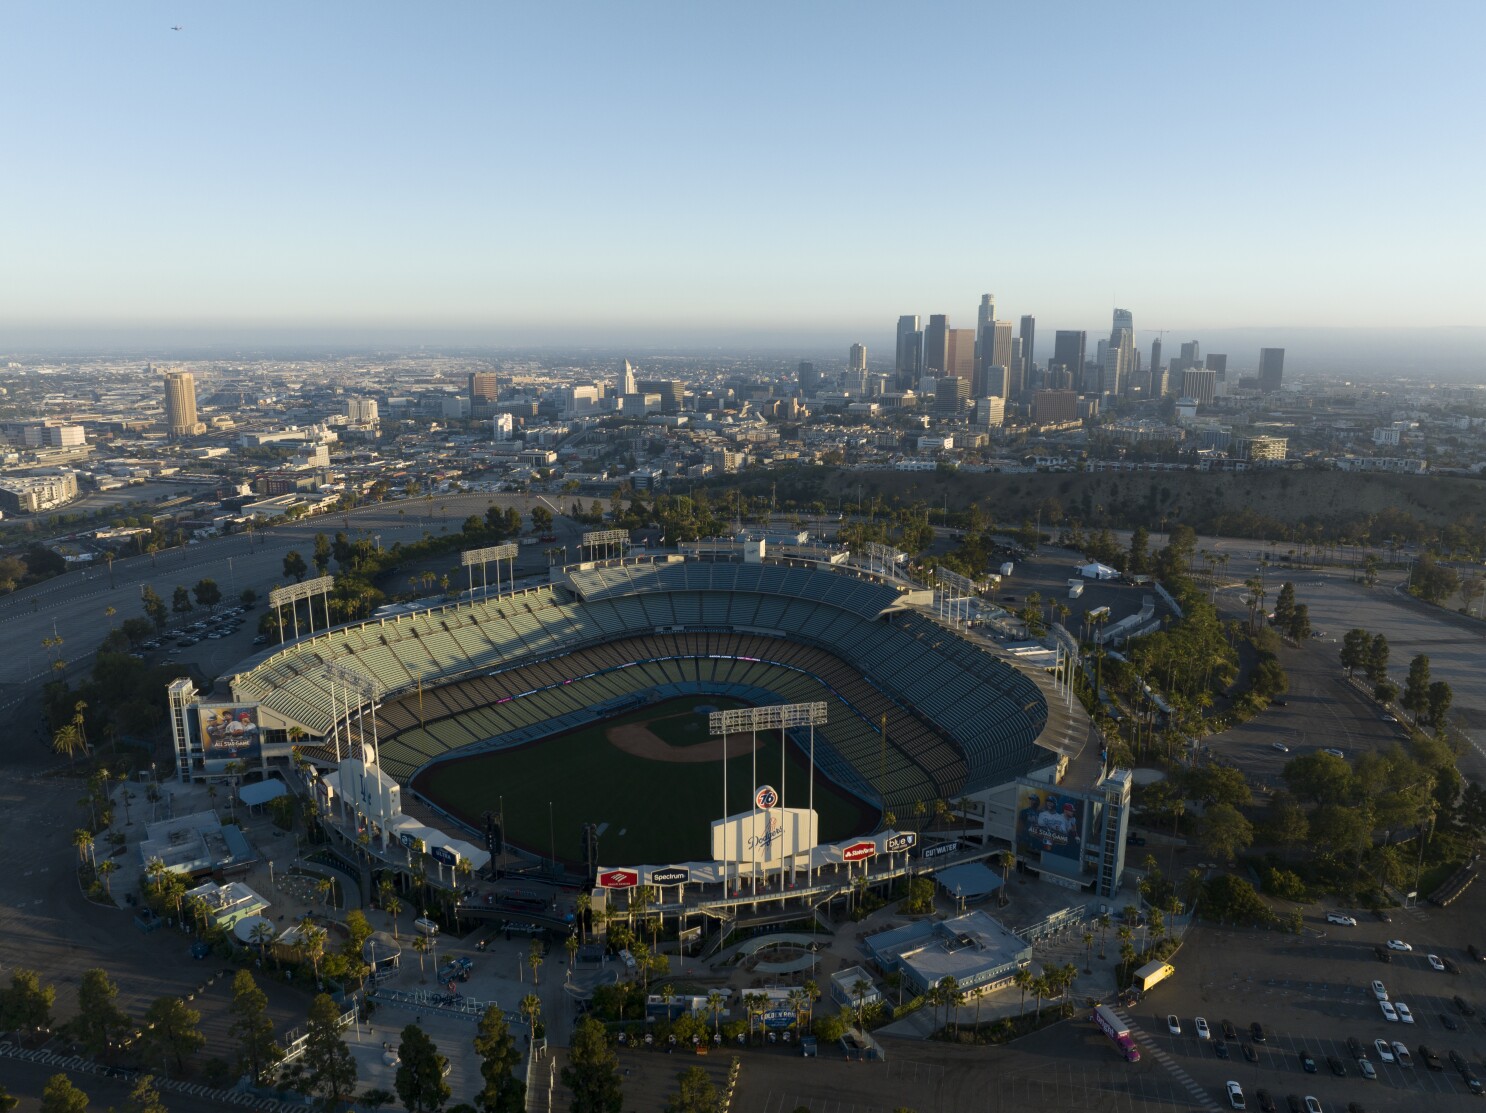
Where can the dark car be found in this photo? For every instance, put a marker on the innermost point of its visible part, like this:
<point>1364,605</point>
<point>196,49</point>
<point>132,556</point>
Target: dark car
<point>1135,840</point>
<point>1220,1049</point>
<point>1336,1066</point>
<point>1256,1032</point>
<point>1249,1053</point>
<point>1307,1064</point>
<point>1266,1103</point>
<point>1382,914</point>
<point>1229,1032</point>
<point>1296,1105</point>
<point>1450,1023</point>
<point>1354,1048</point>
<point>1382,953</point>
<point>1280,701</point>
<point>1470,949</point>
<point>1450,965</point>
<point>1463,1005</point>
<point>1472,1083</point>
<point>1457,1060</point>
<point>1431,1060</point>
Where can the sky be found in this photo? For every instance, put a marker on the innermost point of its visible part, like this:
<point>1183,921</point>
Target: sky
<point>807,171</point>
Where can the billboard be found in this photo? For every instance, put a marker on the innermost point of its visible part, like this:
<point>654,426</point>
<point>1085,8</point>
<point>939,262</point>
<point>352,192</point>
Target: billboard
<point>858,851</point>
<point>769,838</point>
<point>903,840</point>
<point>230,732</point>
<point>618,879</point>
<point>1051,827</point>
<point>675,875</point>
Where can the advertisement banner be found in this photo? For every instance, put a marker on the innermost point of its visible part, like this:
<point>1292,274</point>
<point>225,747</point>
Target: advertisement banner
<point>618,879</point>
<point>858,851</point>
<point>230,732</point>
<point>903,840</point>
<point>1049,823</point>
<point>675,875</point>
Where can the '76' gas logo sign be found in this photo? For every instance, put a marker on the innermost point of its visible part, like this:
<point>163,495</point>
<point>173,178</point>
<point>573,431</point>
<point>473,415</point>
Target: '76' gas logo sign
<point>766,797</point>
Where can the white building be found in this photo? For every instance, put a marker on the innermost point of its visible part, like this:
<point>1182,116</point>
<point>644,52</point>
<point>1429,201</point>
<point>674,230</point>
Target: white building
<point>503,425</point>
<point>363,411</point>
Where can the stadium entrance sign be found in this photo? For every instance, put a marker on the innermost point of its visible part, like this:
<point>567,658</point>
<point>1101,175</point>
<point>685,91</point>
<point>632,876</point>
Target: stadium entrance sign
<point>673,876</point>
<point>903,840</point>
<point>940,850</point>
<point>618,879</point>
<point>859,851</point>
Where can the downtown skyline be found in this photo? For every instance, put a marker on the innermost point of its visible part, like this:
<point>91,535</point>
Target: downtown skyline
<point>667,175</point>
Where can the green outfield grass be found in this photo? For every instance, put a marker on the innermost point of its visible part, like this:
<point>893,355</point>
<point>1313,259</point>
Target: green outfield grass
<point>654,812</point>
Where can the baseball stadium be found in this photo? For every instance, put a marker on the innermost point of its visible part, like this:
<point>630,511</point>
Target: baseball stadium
<point>582,706</point>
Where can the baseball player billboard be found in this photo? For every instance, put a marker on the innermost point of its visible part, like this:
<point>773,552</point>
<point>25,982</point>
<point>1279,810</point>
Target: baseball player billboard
<point>1051,824</point>
<point>230,732</point>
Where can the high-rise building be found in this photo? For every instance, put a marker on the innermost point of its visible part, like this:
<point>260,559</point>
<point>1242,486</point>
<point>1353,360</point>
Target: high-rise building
<point>627,379</point>
<point>1218,364</point>
<point>672,393</point>
<point>951,393</point>
<point>990,411</point>
<point>808,379</point>
<point>986,313</point>
<point>180,404</point>
<point>959,355</point>
<point>1156,355</point>
<point>995,382</point>
<point>362,411</point>
<point>995,346</point>
<point>909,362</point>
<point>1018,384</point>
<point>1119,356</point>
<point>1271,369</point>
<point>1200,385</point>
<point>1068,353</point>
<point>1050,406</point>
<point>1028,333</point>
<point>1191,354</point>
<point>856,359</point>
<point>936,344</point>
<point>484,393</point>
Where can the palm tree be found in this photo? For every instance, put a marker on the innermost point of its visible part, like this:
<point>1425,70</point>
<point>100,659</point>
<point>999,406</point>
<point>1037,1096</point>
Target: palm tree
<point>715,1002</point>
<point>1022,979</point>
<point>812,995</point>
<point>105,870</point>
<point>534,960</point>
<point>1088,949</point>
<point>325,887</point>
<point>82,838</point>
<point>261,936</point>
<point>571,946</point>
<point>584,904</point>
<point>420,944</point>
<point>531,1009</point>
<point>1041,987</point>
<point>68,742</point>
<point>392,906</point>
<point>312,941</point>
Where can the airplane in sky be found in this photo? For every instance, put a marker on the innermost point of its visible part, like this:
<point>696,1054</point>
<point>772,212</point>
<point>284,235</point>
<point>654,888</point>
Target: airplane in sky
<point>177,27</point>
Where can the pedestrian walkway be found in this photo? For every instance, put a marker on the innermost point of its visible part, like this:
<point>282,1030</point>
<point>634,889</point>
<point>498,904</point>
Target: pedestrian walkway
<point>1199,1094</point>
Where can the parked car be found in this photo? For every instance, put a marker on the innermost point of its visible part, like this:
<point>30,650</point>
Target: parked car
<point>1203,1031</point>
<point>1435,963</point>
<point>1475,953</point>
<point>1256,1032</point>
<point>1249,1053</point>
<point>1384,1050</point>
<point>1431,1060</point>
<point>1266,1103</point>
<point>1220,1049</point>
<point>1229,1032</point>
<point>1367,1070</point>
<point>1382,953</point>
<point>1450,1023</point>
<point>1463,1005</point>
<point>1379,990</point>
<point>1404,1014</point>
<point>1174,1024</point>
<point>1307,1064</point>
<point>1235,1096</point>
<point>1398,945</point>
<point>1401,1053</point>
<point>1312,1105</point>
<point>1336,1066</point>
<point>1354,1048</point>
<point>1340,918</point>
<point>1457,1060</point>
<point>1390,1014</point>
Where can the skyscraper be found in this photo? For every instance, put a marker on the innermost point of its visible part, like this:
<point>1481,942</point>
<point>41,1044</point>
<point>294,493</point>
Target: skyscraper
<point>959,354</point>
<point>1191,354</point>
<point>808,378</point>
<point>1218,363</point>
<point>485,392</point>
<point>936,344</point>
<point>986,313</point>
<point>856,359</point>
<point>1017,382</point>
<point>1156,355</point>
<point>1028,332</point>
<point>909,363</point>
<point>1271,369</point>
<point>627,379</point>
<point>1068,353</point>
<point>1119,357</point>
<point>180,404</point>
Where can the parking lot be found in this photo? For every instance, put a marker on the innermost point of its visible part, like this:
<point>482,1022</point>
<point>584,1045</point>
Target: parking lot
<point>1311,993</point>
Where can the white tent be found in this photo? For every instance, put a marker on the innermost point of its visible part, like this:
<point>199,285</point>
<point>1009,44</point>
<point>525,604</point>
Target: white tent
<point>1097,571</point>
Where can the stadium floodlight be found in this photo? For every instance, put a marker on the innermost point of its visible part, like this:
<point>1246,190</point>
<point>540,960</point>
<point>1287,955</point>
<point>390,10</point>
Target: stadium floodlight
<point>291,595</point>
<point>606,539</point>
<point>497,553</point>
<point>881,558</point>
<point>367,690</point>
<point>751,720</point>
<point>952,595</point>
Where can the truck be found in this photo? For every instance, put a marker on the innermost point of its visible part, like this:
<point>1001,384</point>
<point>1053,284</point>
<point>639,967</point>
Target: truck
<point>1152,974</point>
<point>1006,568</point>
<point>1118,1031</point>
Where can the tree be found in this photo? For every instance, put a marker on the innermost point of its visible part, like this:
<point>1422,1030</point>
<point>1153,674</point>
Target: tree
<point>1140,541</point>
<point>294,566</point>
<point>541,519</point>
<point>137,630</point>
<point>61,1096</point>
<point>420,1073</point>
<point>144,1097</point>
<point>1225,831</point>
<point>26,1004</point>
<point>208,594</point>
<point>503,1092</point>
<point>1437,704</point>
<point>1356,649</point>
<point>1377,660</point>
<point>322,554</point>
<point>173,1029</point>
<point>695,1093</point>
<point>592,1073</point>
<point>1284,607</point>
<point>1415,698</point>
<point>154,607</point>
<point>1300,623</point>
<point>252,1026</point>
<point>1319,777</point>
<point>1220,784</point>
<point>329,1064</point>
<point>180,601</point>
<point>99,1022</point>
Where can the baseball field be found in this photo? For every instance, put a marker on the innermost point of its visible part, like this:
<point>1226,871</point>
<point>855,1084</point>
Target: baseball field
<point>652,779</point>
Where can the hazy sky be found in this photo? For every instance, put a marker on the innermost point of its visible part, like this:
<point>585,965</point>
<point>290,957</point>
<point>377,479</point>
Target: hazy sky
<point>805,168</point>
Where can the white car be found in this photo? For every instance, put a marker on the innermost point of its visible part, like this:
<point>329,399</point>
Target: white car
<point>1312,1105</point>
<point>1398,945</point>
<point>1380,991</point>
<point>1384,1049</point>
<point>1340,918</point>
<point>1401,1053</point>
<point>1280,746</point>
<point>1367,1070</point>
<point>1203,1032</point>
<point>1403,1012</point>
<point>1235,1096</point>
<point>1435,963</point>
<point>1174,1024</point>
<point>1389,1012</point>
